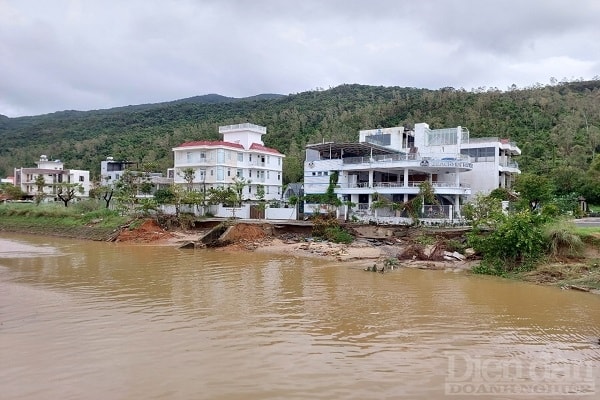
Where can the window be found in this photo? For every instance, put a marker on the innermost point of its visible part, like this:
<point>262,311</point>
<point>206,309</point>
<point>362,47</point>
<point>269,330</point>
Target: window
<point>239,173</point>
<point>268,159</point>
<point>379,139</point>
<point>481,154</point>
<point>279,161</point>
<point>203,156</point>
<point>81,179</point>
<point>267,174</point>
<point>250,174</point>
<point>220,156</point>
<point>240,157</point>
<point>220,173</point>
<point>278,176</point>
<point>228,171</point>
<point>212,172</point>
<point>441,137</point>
<point>267,189</point>
<point>188,156</point>
<point>250,157</point>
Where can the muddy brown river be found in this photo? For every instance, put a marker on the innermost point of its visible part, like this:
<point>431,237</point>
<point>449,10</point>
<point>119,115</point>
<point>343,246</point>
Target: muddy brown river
<point>93,320</point>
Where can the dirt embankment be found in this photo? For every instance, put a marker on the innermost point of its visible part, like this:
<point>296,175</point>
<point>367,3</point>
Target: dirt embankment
<point>384,248</point>
<point>147,232</point>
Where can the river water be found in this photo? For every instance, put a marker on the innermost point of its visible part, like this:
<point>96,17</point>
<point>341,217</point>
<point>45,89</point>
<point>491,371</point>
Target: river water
<point>93,320</point>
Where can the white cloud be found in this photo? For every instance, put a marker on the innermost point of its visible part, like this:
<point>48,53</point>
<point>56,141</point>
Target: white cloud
<point>70,54</point>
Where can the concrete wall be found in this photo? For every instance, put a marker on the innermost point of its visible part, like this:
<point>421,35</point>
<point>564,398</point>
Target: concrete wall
<point>281,213</point>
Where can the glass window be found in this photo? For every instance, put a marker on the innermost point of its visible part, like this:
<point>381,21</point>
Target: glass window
<point>220,156</point>
<point>241,157</point>
<point>220,173</point>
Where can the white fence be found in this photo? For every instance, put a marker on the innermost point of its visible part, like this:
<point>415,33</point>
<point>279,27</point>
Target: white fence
<point>242,212</point>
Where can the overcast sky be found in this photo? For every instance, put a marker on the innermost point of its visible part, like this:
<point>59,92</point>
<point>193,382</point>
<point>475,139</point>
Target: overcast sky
<point>89,54</point>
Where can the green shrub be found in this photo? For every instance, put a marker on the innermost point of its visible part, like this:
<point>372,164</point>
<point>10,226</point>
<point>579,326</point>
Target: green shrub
<point>338,235</point>
<point>455,245</point>
<point>517,242</point>
<point>329,228</point>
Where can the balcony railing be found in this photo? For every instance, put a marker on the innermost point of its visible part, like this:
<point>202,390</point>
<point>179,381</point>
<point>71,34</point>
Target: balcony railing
<point>380,158</point>
<point>247,126</point>
<point>457,160</point>
<point>411,184</point>
<point>509,164</point>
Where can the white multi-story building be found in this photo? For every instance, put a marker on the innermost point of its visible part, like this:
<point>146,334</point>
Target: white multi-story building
<point>54,174</point>
<point>111,170</point>
<point>394,162</point>
<point>241,154</point>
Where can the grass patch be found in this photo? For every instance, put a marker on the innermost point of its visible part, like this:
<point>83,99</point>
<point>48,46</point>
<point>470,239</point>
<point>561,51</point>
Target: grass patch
<point>583,274</point>
<point>48,216</point>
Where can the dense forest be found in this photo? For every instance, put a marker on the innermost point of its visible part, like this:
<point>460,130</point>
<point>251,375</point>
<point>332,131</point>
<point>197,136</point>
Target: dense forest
<point>556,126</point>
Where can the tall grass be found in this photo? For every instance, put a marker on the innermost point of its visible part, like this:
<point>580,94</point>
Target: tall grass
<point>563,240</point>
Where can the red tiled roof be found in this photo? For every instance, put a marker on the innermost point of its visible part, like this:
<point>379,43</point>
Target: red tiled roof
<point>212,143</point>
<point>256,146</point>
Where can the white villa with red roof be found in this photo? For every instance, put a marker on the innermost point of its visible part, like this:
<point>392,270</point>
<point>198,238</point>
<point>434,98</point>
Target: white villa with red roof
<point>240,154</point>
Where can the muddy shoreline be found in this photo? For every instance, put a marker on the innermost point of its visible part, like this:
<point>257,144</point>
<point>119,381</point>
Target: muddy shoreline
<point>378,248</point>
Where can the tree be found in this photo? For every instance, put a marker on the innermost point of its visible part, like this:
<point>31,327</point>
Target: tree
<point>533,191</point>
<point>67,192</point>
<point>238,187</point>
<point>107,197</point>
<point>223,195</point>
<point>126,189</point>
<point>40,182</point>
<point>164,196</point>
<point>485,211</point>
<point>188,175</point>
<point>194,198</point>
<point>13,192</point>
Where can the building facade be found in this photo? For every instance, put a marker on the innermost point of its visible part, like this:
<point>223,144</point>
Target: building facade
<point>111,170</point>
<point>240,155</point>
<point>392,163</point>
<point>54,174</point>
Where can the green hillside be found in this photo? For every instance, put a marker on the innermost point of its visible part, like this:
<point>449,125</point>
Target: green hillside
<point>557,127</point>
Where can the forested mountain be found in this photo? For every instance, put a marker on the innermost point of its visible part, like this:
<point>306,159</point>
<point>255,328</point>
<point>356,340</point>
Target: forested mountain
<point>556,126</point>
